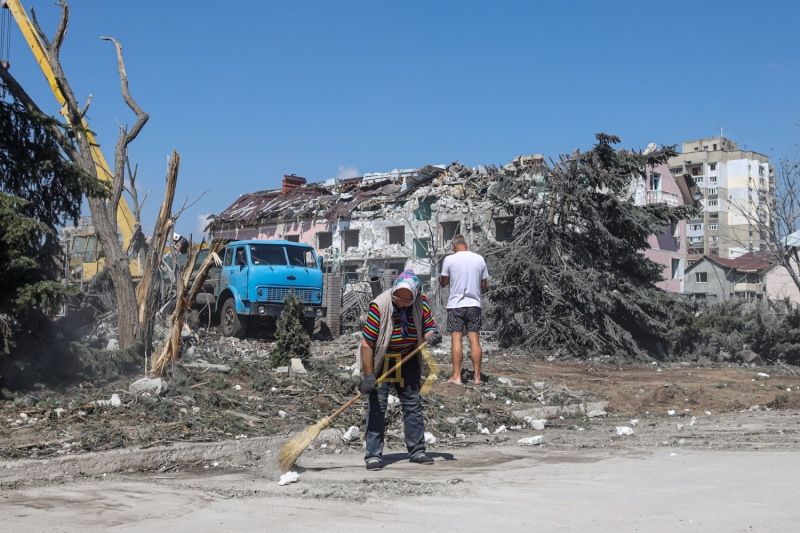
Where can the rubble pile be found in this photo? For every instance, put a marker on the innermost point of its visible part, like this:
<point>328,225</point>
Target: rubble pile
<point>225,388</point>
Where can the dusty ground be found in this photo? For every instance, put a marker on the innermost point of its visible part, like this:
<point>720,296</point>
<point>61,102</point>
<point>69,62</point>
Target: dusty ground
<point>726,460</point>
<point>203,406</point>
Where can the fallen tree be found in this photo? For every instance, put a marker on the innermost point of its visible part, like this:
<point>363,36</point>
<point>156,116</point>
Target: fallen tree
<point>575,277</point>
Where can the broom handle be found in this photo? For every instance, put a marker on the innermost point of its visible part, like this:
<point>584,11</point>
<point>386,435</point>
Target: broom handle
<point>379,380</point>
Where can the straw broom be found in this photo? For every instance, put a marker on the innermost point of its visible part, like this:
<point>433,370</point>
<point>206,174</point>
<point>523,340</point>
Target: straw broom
<point>292,450</point>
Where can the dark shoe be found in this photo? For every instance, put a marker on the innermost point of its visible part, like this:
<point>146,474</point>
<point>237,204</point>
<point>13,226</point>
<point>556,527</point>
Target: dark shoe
<point>374,465</point>
<point>422,460</point>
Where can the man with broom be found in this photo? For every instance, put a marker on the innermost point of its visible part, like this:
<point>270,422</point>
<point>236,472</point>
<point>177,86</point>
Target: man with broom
<point>398,321</point>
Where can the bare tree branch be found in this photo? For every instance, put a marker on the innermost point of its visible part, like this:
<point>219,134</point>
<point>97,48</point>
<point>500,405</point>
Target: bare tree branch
<point>61,31</point>
<point>41,33</point>
<point>86,107</point>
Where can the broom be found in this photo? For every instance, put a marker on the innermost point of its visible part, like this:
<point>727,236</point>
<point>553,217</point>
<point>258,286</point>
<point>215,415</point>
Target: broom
<point>292,450</point>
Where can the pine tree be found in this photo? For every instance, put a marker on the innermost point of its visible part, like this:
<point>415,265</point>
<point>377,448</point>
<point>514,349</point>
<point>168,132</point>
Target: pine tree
<point>575,277</point>
<point>292,340</point>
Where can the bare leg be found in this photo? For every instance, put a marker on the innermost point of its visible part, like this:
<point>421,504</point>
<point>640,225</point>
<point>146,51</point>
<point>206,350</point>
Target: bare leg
<point>457,354</point>
<point>476,353</point>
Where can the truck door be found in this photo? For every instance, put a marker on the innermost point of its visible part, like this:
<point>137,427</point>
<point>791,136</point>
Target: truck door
<point>238,271</point>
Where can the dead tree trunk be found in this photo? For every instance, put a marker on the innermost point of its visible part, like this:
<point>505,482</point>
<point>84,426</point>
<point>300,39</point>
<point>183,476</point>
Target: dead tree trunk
<point>104,212</point>
<point>148,287</point>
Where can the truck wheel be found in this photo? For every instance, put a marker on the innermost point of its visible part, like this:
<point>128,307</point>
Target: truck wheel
<point>310,324</point>
<point>230,323</point>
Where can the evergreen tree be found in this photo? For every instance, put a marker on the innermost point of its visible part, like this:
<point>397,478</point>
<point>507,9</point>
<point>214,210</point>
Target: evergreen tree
<point>575,276</point>
<point>291,337</point>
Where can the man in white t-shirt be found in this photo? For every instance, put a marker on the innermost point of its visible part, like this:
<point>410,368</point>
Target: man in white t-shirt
<point>465,272</point>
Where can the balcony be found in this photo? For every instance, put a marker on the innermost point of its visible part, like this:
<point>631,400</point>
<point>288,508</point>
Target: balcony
<point>662,197</point>
<point>696,251</point>
<point>748,287</point>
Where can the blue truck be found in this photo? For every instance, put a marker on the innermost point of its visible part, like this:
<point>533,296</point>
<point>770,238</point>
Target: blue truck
<point>255,276</point>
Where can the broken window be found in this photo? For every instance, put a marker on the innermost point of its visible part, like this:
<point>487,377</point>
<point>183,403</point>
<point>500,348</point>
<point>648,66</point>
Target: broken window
<point>350,239</point>
<point>241,256</point>
<point>449,230</point>
<point>701,277</point>
<point>324,240</point>
<point>504,229</point>
<point>293,238</point>
<point>397,266</point>
<point>397,234</point>
<point>423,211</point>
<point>421,248</point>
<point>350,273</point>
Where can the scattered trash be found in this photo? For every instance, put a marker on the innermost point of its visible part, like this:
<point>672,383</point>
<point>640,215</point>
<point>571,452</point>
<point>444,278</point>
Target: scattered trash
<point>429,438</point>
<point>504,381</point>
<point>673,454</point>
<point>282,414</point>
<point>155,386</point>
<point>596,413</point>
<point>297,366</point>
<point>237,387</point>
<point>113,402</point>
<point>762,375</point>
<point>351,434</point>
<point>508,402</point>
<point>538,425</point>
<point>501,429</point>
<point>679,426</point>
<point>530,441</point>
<point>485,431</point>
<point>624,430</point>
<point>671,412</point>
<point>694,420</point>
<point>708,413</point>
<point>635,422</point>
<point>393,400</point>
<point>289,477</point>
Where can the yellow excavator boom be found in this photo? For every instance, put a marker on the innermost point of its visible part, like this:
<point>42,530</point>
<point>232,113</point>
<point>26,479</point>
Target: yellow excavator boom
<point>125,220</point>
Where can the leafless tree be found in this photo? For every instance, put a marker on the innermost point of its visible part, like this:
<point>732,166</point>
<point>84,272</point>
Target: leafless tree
<point>775,216</point>
<point>104,212</point>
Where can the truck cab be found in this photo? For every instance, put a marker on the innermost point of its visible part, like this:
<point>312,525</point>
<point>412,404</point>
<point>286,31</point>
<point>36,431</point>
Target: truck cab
<point>255,277</point>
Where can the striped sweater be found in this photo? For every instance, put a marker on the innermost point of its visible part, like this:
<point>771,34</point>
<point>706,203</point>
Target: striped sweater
<point>398,346</point>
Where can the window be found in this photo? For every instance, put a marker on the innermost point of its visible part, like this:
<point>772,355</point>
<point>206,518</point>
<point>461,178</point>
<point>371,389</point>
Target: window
<point>676,170</point>
<point>396,234</point>
<point>503,229</point>
<point>761,171</point>
<point>713,203</point>
<point>350,239</point>
<point>303,257</point>
<point>655,181</point>
<point>698,179</point>
<point>449,230</point>
<point>421,247</point>
<point>713,215</point>
<point>695,227</point>
<point>675,229</point>
<point>715,148</point>
<point>705,147</point>
<point>399,267</point>
<point>712,226</point>
<point>350,273</point>
<point>695,239</point>
<point>712,191</point>
<point>423,212</point>
<point>712,179</point>
<point>228,257</point>
<point>713,166</point>
<point>241,256</point>
<point>293,238</point>
<point>696,170</point>
<point>267,254</point>
<point>701,277</point>
<point>676,268</point>
<point>713,239</point>
<point>324,240</point>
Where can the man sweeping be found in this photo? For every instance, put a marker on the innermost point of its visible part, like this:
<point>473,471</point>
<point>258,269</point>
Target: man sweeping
<point>398,321</point>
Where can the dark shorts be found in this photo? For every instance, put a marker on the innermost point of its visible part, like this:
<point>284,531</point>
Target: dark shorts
<point>461,319</point>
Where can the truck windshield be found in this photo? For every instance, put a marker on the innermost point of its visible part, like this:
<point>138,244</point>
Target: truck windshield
<point>301,257</point>
<point>267,254</point>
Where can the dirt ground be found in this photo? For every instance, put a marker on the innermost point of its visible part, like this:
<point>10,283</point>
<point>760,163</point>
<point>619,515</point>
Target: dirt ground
<point>253,400</point>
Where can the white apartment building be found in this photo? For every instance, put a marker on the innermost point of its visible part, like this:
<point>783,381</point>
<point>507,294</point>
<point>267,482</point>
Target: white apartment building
<point>737,188</point>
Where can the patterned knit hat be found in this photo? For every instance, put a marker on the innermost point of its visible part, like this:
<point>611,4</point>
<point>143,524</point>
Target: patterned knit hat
<point>407,280</point>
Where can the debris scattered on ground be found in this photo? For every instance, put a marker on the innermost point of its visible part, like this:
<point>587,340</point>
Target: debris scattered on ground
<point>289,477</point>
<point>530,441</point>
<point>624,430</point>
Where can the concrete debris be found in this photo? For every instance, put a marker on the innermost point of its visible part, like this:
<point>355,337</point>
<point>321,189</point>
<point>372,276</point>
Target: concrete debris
<point>485,431</point>
<point>237,387</point>
<point>430,439</point>
<point>243,416</point>
<point>624,430</point>
<point>749,356</point>
<point>762,375</point>
<point>112,345</point>
<point>530,441</point>
<point>504,381</point>
<point>113,402</point>
<point>595,413</point>
<point>679,426</point>
<point>353,433</point>
<point>539,385</point>
<point>155,386</point>
<point>297,366</point>
<point>501,429</point>
<point>282,414</point>
<point>708,413</point>
<point>289,477</point>
<point>671,412</point>
<point>538,425</point>
<point>202,365</point>
<point>590,409</point>
<point>635,422</point>
<point>694,421</point>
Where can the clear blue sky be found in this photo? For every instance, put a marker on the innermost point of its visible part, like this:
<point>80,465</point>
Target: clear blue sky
<point>248,91</point>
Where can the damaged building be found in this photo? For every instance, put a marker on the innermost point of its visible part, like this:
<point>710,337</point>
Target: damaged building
<point>394,220</point>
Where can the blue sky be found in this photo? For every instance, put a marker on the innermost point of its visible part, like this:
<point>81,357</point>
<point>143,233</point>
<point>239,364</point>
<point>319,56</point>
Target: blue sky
<point>252,90</point>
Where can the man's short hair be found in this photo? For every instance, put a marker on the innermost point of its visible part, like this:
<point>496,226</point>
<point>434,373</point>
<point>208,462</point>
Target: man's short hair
<point>459,240</point>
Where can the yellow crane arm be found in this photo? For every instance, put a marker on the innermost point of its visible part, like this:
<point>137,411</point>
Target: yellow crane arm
<point>125,220</point>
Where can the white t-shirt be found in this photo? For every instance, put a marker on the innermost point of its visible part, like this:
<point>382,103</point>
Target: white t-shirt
<point>466,270</point>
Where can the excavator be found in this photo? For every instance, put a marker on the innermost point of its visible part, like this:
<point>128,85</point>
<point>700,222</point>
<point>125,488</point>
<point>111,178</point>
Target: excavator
<point>84,253</point>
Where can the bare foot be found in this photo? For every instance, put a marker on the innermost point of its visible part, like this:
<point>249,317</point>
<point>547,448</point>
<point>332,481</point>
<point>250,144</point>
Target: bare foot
<point>479,383</point>
<point>455,380</point>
